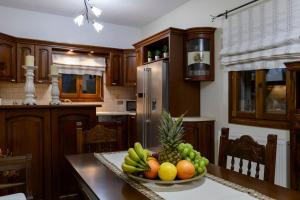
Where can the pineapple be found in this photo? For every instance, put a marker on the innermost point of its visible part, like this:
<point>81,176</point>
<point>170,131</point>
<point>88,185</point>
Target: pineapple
<point>171,133</point>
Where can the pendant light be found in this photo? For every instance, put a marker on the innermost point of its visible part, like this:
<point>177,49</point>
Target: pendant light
<point>89,15</point>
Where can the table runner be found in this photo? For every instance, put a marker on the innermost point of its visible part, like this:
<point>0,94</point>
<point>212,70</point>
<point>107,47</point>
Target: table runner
<point>210,187</point>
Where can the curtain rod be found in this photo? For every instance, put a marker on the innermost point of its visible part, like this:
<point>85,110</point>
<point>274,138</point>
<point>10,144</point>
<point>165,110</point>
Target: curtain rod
<point>229,11</point>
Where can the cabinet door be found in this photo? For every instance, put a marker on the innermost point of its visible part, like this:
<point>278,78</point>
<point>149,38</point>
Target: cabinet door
<point>22,51</point>
<point>139,56</point>
<point>201,136</point>
<point>130,68</point>
<point>114,72</point>
<point>7,60</point>
<point>63,123</point>
<point>132,132</point>
<point>27,132</point>
<point>43,60</point>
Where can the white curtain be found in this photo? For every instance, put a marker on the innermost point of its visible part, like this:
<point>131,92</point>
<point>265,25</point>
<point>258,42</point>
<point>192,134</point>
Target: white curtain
<point>79,64</point>
<point>264,36</point>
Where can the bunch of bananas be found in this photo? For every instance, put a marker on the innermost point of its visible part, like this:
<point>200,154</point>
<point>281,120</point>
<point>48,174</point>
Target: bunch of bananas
<point>136,160</point>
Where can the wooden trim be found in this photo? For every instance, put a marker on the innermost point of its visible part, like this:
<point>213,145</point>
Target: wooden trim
<point>278,124</point>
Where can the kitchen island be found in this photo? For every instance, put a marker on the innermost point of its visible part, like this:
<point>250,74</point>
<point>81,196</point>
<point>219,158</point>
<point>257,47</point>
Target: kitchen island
<point>48,133</point>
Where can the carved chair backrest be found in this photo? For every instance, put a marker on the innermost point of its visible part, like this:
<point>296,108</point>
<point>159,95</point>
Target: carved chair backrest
<point>98,139</point>
<point>245,148</point>
<point>11,166</point>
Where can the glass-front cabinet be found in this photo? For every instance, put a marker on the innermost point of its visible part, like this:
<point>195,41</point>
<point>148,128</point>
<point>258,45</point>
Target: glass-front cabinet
<point>199,50</point>
<point>247,92</point>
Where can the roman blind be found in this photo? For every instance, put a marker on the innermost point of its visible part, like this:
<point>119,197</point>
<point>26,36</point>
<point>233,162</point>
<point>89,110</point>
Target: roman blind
<point>79,64</point>
<point>264,36</point>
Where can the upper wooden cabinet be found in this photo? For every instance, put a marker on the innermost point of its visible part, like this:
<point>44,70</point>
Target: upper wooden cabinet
<point>199,54</point>
<point>139,56</point>
<point>7,60</point>
<point>43,60</point>
<point>22,51</point>
<point>129,68</point>
<point>114,69</point>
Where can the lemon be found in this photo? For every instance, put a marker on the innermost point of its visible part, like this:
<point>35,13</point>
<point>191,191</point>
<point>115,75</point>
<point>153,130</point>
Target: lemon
<point>167,171</point>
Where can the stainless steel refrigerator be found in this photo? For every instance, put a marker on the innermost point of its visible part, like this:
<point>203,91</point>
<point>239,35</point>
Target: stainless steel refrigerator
<point>152,99</point>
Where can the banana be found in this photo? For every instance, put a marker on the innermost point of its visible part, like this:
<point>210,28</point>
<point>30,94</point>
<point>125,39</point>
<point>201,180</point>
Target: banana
<point>133,155</point>
<point>129,161</point>
<point>131,169</point>
<point>140,151</point>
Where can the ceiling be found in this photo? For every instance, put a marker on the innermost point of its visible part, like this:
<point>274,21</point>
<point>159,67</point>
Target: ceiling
<point>123,12</point>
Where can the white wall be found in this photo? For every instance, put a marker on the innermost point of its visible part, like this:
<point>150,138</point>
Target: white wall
<point>35,25</point>
<point>214,95</point>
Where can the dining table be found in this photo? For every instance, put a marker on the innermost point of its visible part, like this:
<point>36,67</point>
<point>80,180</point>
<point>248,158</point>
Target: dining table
<point>100,177</point>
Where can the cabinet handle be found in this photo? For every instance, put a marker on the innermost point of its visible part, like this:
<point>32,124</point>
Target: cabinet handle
<point>187,78</point>
<point>114,83</point>
<point>134,83</point>
<point>132,117</point>
<point>13,80</point>
<point>40,81</point>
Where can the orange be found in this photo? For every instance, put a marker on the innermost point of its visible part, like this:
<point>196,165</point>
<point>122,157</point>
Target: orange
<point>153,171</point>
<point>185,169</point>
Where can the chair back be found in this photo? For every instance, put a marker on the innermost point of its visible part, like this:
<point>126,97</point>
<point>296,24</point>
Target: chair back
<point>245,148</point>
<point>98,139</point>
<point>10,167</point>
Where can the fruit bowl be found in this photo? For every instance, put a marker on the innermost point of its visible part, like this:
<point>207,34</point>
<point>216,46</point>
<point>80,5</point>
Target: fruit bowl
<point>196,178</point>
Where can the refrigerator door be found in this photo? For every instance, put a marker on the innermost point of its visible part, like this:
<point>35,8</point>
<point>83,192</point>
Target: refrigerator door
<point>158,99</point>
<point>140,104</point>
<point>152,98</point>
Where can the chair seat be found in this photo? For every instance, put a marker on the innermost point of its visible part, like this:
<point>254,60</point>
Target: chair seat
<point>18,196</point>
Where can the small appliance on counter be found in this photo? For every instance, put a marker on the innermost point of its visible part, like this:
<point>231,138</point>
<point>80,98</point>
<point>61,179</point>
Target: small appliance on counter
<point>130,105</point>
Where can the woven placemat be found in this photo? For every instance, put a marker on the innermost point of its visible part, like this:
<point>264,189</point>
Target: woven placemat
<point>154,196</point>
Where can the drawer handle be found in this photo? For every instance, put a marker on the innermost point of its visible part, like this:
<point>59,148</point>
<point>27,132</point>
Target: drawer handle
<point>40,81</point>
<point>114,83</point>
<point>13,80</point>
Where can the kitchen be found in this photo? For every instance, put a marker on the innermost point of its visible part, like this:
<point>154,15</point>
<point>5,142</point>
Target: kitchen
<point>110,93</point>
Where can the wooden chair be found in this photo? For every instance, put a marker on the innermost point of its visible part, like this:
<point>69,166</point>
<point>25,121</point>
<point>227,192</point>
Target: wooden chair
<point>10,168</point>
<point>99,139</point>
<point>246,148</point>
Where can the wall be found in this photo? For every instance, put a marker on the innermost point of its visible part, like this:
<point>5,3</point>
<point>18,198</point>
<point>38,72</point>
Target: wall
<point>35,25</point>
<point>13,93</point>
<point>214,95</point>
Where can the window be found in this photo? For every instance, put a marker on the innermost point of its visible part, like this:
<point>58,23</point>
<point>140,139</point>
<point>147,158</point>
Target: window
<point>87,88</point>
<point>258,97</point>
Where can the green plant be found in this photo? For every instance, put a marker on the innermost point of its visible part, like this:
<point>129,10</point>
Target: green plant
<point>165,49</point>
<point>149,53</point>
<point>157,53</point>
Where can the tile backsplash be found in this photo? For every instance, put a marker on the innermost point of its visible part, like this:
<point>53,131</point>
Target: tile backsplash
<point>114,97</point>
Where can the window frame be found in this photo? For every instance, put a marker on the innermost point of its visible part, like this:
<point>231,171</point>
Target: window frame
<point>82,97</point>
<point>259,117</point>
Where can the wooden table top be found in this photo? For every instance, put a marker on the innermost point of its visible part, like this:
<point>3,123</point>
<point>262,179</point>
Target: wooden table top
<point>105,185</point>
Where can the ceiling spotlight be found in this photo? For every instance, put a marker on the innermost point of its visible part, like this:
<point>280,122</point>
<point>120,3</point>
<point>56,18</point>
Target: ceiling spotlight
<point>97,12</point>
<point>98,27</point>
<point>79,20</point>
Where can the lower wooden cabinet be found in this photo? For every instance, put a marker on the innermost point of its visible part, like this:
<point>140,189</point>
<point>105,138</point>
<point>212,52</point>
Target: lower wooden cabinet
<point>201,136</point>
<point>48,133</point>
<point>28,132</point>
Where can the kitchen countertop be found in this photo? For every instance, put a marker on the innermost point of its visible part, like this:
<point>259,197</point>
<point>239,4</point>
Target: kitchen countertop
<point>198,119</point>
<point>46,106</point>
<point>115,113</point>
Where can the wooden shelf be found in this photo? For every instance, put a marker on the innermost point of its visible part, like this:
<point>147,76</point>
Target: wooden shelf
<point>146,63</point>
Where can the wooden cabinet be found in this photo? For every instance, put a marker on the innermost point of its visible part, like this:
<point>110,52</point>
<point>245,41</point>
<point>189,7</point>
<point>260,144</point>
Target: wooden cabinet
<point>22,51</point>
<point>201,136</point>
<point>114,71</point>
<point>184,96</point>
<point>28,132</point>
<point>43,60</point>
<point>293,95</point>
<point>129,68</point>
<point>48,133</point>
<point>63,123</point>
<point>139,56</point>
<point>199,54</point>
<point>7,60</point>
<point>132,130</point>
